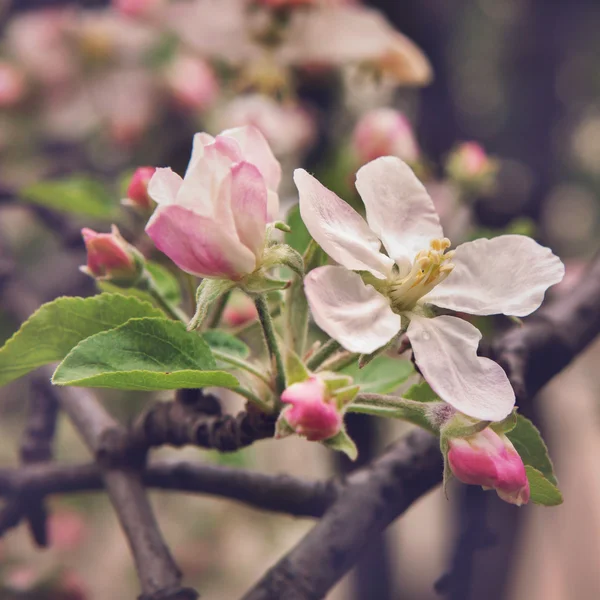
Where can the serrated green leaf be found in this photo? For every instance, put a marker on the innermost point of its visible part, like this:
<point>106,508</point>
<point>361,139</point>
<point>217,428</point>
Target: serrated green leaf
<point>78,194</point>
<point>226,343</point>
<point>421,392</point>
<point>165,281</point>
<point>382,375</point>
<point>56,327</point>
<point>542,491</point>
<point>143,354</point>
<point>342,442</point>
<point>528,442</point>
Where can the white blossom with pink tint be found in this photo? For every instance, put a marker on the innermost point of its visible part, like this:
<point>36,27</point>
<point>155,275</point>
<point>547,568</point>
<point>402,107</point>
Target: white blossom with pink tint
<point>313,413</point>
<point>212,223</point>
<point>288,127</point>
<point>489,459</point>
<point>138,8</point>
<point>384,132</point>
<point>391,291</point>
<point>192,82</point>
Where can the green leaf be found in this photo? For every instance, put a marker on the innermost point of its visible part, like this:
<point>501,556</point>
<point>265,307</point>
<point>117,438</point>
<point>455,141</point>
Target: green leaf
<point>298,238</point>
<point>78,194</point>
<point>382,375</point>
<point>542,491</point>
<point>226,343</point>
<point>165,281</point>
<point>143,354</point>
<point>529,444</point>
<point>50,333</point>
<point>342,442</point>
<point>421,392</point>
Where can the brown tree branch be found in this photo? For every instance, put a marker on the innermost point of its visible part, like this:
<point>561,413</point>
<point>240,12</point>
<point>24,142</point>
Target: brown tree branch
<point>277,493</point>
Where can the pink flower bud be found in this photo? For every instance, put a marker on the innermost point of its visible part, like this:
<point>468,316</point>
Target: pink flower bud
<point>312,413</point>
<point>384,132</point>
<point>239,310</point>
<point>490,460</point>
<point>12,85</point>
<point>110,257</point>
<point>67,530</point>
<point>469,165</point>
<point>137,190</point>
<point>192,83</point>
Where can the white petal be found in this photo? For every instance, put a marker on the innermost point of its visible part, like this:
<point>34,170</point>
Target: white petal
<point>445,350</point>
<point>338,228</point>
<point>508,274</point>
<point>256,150</point>
<point>164,186</point>
<point>200,140</point>
<point>399,209</point>
<point>352,313</point>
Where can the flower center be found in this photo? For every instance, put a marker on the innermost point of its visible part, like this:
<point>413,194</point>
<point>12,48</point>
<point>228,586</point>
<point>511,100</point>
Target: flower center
<point>429,268</point>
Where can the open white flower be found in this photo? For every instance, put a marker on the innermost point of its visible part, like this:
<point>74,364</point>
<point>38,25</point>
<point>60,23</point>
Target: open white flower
<point>363,311</point>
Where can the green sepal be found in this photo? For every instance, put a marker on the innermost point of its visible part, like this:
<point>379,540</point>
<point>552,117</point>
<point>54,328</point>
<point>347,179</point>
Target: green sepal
<point>345,396</point>
<point>295,369</point>
<point>342,442</point>
<point>461,426</point>
<point>507,424</point>
<point>208,291</point>
<point>542,491</point>
<point>283,255</point>
<point>262,284</point>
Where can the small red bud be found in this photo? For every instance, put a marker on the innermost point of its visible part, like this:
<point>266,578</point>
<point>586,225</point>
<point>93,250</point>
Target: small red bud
<point>137,190</point>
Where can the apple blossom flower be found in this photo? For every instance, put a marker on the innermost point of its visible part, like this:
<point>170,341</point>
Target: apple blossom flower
<point>239,310</point>
<point>384,132</point>
<point>192,82</point>
<point>137,8</point>
<point>489,459</point>
<point>111,258</point>
<point>372,296</point>
<point>137,190</point>
<point>313,413</point>
<point>212,223</point>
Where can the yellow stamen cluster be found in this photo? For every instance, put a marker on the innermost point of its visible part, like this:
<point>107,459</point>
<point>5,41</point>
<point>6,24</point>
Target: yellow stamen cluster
<point>429,268</point>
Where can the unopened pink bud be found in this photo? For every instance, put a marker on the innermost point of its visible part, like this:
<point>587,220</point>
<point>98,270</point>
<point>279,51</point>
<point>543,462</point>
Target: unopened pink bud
<point>12,85</point>
<point>239,310</point>
<point>470,166</point>
<point>312,414</point>
<point>137,190</point>
<point>110,257</point>
<point>384,132</point>
<point>490,460</point>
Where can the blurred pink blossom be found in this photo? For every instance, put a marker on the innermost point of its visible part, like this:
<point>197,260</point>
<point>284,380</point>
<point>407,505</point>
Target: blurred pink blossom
<point>192,82</point>
<point>12,84</point>
<point>384,132</point>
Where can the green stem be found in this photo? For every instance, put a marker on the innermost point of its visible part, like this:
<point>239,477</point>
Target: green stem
<point>264,406</point>
<point>149,285</point>
<point>215,318</point>
<point>322,354</point>
<point>267,324</point>
<point>241,364</point>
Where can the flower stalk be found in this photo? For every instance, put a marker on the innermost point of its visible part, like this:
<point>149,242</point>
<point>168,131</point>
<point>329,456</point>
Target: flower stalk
<point>272,345</point>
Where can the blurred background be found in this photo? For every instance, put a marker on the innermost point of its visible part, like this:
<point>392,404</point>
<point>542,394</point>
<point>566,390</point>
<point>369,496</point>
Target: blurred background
<point>496,105</point>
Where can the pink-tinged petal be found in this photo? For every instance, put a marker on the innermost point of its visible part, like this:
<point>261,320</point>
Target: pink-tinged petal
<point>164,186</point>
<point>352,313</point>
<point>203,181</point>
<point>508,274</point>
<point>256,150</point>
<point>489,459</point>
<point>399,209</point>
<point>338,228</point>
<point>198,245</point>
<point>445,350</point>
<point>200,140</point>
<point>249,205</point>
